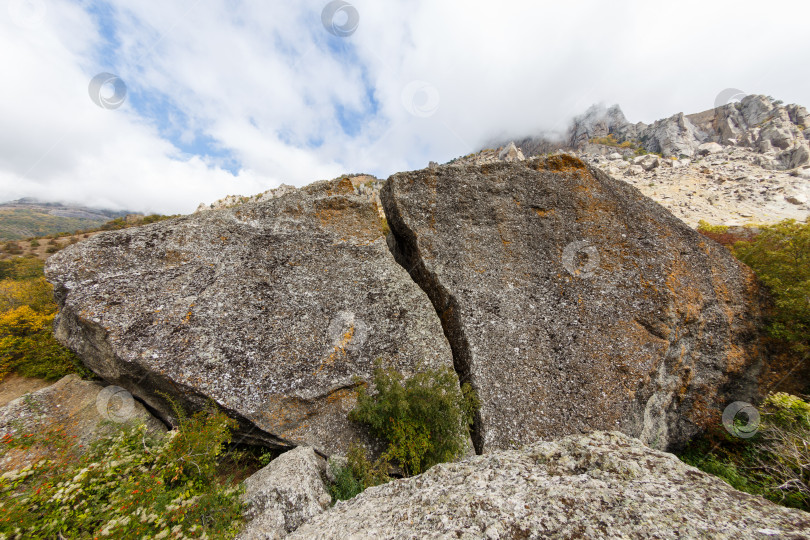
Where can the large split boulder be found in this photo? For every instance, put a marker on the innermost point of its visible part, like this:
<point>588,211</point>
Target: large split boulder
<point>600,485</point>
<point>572,302</point>
<point>270,309</point>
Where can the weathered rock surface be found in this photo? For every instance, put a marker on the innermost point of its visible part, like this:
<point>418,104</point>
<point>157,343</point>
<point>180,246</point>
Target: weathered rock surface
<point>69,408</point>
<point>574,303</point>
<point>600,485</point>
<point>284,494</point>
<point>268,308</point>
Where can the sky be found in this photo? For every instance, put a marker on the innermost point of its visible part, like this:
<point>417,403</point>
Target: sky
<point>157,106</point>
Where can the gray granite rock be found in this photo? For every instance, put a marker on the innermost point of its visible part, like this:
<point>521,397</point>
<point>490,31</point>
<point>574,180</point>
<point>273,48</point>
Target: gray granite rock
<point>268,308</point>
<point>285,494</point>
<point>600,485</point>
<point>71,408</point>
<point>572,302</point>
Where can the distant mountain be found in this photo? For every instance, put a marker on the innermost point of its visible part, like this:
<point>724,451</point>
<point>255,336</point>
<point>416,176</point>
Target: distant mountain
<point>779,133</point>
<point>25,218</point>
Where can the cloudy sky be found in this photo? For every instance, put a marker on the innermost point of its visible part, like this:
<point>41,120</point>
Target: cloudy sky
<point>236,97</point>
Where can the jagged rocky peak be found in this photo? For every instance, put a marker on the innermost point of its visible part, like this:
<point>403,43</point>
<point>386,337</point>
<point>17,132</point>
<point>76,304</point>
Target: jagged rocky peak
<point>597,121</point>
<point>780,132</point>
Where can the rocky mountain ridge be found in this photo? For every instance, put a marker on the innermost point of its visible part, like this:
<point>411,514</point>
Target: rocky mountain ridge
<point>741,163</point>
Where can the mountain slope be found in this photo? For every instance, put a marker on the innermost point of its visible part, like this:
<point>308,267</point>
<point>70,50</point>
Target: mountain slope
<point>26,218</point>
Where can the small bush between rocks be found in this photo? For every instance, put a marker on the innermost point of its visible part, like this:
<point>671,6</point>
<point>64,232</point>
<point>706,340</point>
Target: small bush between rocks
<point>780,257</point>
<point>425,419</point>
<point>774,463</point>
<point>358,474</point>
<point>127,485</point>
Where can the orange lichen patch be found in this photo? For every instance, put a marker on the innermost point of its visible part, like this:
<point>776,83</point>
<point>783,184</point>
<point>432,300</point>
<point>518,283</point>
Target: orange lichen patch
<point>342,187</point>
<point>685,296</point>
<point>544,213</point>
<point>175,257</point>
<point>283,412</point>
<point>340,349</point>
<point>562,163</point>
<point>702,413</point>
<point>737,358</point>
<point>349,219</point>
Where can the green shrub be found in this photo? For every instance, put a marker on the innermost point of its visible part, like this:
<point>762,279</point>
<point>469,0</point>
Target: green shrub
<point>358,474</point>
<point>706,227</point>
<point>425,419</point>
<point>780,256</point>
<point>127,485</point>
<point>34,243</point>
<point>773,463</point>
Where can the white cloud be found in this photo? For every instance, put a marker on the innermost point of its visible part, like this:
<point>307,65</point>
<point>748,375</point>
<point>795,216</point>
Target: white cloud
<point>264,81</point>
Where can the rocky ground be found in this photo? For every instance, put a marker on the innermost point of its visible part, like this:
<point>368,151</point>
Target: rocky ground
<point>599,485</point>
<point>726,186</point>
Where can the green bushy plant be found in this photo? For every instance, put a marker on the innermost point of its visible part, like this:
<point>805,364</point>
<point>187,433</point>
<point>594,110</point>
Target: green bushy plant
<point>27,309</point>
<point>773,463</point>
<point>425,419</point>
<point>780,256</point>
<point>127,485</point>
<point>358,474</point>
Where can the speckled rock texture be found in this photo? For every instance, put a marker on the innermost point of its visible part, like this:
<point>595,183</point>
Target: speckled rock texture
<point>284,494</point>
<point>596,486</point>
<point>268,308</point>
<point>70,408</point>
<point>573,303</point>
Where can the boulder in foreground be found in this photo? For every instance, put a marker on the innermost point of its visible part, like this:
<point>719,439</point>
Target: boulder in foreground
<point>600,485</point>
<point>284,494</point>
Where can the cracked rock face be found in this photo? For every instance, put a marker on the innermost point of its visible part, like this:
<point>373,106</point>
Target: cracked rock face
<point>600,485</point>
<point>573,303</point>
<point>268,308</point>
